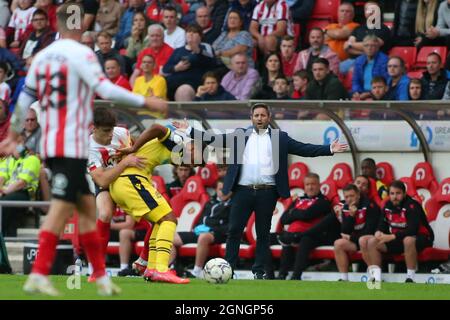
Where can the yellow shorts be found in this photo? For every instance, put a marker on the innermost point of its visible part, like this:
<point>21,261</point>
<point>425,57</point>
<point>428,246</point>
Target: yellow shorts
<point>136,195</point>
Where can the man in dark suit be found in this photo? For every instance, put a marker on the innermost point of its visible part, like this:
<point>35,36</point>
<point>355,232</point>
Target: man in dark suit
<point>256,176</point>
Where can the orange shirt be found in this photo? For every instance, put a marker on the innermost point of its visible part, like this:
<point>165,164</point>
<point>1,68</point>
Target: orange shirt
<point>338,45</point>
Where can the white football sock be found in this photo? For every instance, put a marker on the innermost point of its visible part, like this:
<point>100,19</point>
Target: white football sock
<point>411,273</point>
<point>376,272</point>
<point>344,276</point>
<point>123,266</point>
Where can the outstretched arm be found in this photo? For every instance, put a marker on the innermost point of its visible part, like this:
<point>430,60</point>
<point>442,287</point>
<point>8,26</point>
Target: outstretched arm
<point>313,150</point>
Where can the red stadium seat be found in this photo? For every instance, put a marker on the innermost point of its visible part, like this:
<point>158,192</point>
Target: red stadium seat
<point>317,23</point>
<point>325,9</point>
<point>389,24</point>
<point>341,174</point>
<point>296,173</point>
<point>159,184</point>
<point>330,191</point>
<point>408,54</point>
<point>438,214</point>
<point>373,193</point>
<point>421,60</point>
<point>415,74</point>
<point>209,175</point>
<point>424,181</point>
<point>189,203</point>
<point>411,189</point>
<point>347,80</point>
<point>385,173</point>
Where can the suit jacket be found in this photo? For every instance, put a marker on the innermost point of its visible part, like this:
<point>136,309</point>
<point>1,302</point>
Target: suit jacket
<point>286,146</point>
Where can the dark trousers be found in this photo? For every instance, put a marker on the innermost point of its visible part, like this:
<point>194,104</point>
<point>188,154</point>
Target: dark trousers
<point>245,201</point>
<point>13,217</point>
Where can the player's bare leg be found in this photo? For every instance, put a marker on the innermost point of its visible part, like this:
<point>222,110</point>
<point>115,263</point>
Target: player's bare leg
<point>90,241</point>
<point>363,244</point>
<point>38,282</point>
<point>342,249</point>
<point>410,257</point>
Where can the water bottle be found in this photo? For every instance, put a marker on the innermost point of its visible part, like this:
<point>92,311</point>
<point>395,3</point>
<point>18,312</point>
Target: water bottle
<point>78,266</point>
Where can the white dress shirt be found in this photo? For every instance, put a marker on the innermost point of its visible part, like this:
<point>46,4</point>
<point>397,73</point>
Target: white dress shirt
<point>257,162</point>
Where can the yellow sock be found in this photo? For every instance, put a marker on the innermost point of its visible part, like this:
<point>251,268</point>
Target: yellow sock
<point>164,242</point>
<point>151,264</point>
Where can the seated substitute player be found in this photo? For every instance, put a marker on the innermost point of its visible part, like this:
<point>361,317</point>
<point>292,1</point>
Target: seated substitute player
<point>403,228</point>
<point>104,167</point>
<point>359,219</point>
<point>133,191</point>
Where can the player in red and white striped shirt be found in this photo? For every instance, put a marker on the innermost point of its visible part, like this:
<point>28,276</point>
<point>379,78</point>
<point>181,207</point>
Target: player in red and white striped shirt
<point>271,21</point>
<point>64,77</point>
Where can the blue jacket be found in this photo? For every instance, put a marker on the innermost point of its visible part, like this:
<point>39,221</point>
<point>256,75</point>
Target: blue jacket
<point>379,70</point>
<point>282,147</point>
<point>126,23</point>
<point>400,92</point>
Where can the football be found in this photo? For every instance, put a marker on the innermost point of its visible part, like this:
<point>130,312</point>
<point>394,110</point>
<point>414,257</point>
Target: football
<point>217,270</point>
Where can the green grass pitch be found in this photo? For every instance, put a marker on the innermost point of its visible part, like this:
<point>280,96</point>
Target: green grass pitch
<point>138,289</point>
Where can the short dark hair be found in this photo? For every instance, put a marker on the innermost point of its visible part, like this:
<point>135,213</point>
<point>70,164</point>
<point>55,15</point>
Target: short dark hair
<point>210,74</point>
<point>288,38</point>
<point>170,8</point>
<point>365,177</point>
<point>282,78</point>
<point>370,160</point>
<point>104,117</point>
<point>103,34</point>
<point>351,187</point>
<point>40,12</point>
<point>323,61</point>
<point>195,28</point>
<point>4,66</point>
<point>301,74</point>
<point>435,54</point>
<point>398,185</point>
<point>378,79</point>
<point>112,59</point>
<point>261,105</point>
<point>315,29</point>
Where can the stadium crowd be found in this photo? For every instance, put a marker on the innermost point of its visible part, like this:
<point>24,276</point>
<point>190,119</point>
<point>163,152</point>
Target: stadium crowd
<point>216,50</point>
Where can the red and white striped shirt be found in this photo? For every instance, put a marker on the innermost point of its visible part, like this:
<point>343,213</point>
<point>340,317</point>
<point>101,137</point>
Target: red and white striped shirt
<point>19,21</point>
<point>101,156</point>
<point>267,17</point>
<point>5,92</point>
<point>65,76</point>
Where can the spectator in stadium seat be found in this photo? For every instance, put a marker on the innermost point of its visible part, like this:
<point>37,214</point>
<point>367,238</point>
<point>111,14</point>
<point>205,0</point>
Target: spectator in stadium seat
<point>174,35</point>
<point>245,8</point>
<point>212,228</point>
<point>354,44</point>
<point>442,28</point>
<point>181,174</point>
<point>218,10</point>
<point>271,21</point>
<point>5,89</point>
<point>105,51</point>
<point>126,22</point>
<point>187,65</point>
<point>272,70</point>
<point>41,37</point>
<point>403,228</point>
<point>19,21</point>
<point>404,28</point>
<point>203,19</point>
<point>155,9</point>
<point>300,83</point>
<point>398,81</point>
<point>108,16</point>
<point>5,118</point>
<point>303,214</point>
<point>369,169</point>
<point>281,88</point>
<point>336,34</point>
<point>324,85</point>
<point>426,18</point>
<point>370,64</point>
<point>50,8</point>
<point>435,79</point>
<point>241,81</point>
<point>88,39</point>
<point>359,219</point>
<point>5,13</point>
<point>19,179</point>
<point>379,89</point>
<point>150,84</point>
<point>211,90</point>
<point>138,39</point>
<point>157,48</point>
<point>415,89</point>
<point>318,49</point>
<point>112,71</point>
<point>288,55</point>
<point>32,132</point>
<point>233,40</point>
